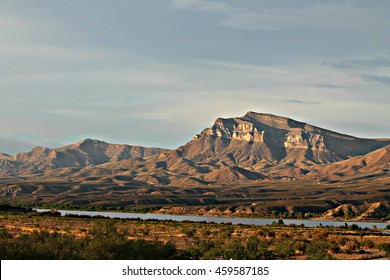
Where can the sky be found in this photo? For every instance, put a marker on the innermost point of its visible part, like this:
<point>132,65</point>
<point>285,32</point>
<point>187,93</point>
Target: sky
<point>157,72</point>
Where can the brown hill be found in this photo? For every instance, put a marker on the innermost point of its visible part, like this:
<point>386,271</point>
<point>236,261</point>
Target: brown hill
<point>376,162</point>
<point>4,156</point>
<point>85,153</point>
<point>364,211</point>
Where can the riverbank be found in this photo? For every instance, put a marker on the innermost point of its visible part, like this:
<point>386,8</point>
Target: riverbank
<point>191,212</point>
<point>218,219</point>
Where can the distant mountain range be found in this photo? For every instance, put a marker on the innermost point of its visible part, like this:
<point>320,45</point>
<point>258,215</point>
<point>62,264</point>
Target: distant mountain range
<point>86,153</point>
<point>255,147</point>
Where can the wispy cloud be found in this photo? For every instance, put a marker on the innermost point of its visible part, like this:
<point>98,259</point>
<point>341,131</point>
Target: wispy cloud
<point>369,63</point>
<point>381,79</point>
<point>328,86</point>
<point>318,15</point>
<point>303,102</point>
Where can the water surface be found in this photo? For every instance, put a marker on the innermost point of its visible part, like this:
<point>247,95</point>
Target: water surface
<point>219,220</point>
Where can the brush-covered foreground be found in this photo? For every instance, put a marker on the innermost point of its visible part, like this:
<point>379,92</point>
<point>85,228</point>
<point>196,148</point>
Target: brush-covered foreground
<point>50,236</point>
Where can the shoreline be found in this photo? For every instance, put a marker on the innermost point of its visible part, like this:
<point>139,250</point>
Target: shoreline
<point>240,216</point>
<point>221,219</point>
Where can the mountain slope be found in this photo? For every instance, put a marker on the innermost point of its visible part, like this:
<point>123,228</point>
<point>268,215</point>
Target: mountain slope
<point>376,162</point>
<point>85,153</point>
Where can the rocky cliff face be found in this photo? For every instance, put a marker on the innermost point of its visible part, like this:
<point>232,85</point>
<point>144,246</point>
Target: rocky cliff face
<point>305,140</point>
<point>235,129</point>
<point>269,138</point>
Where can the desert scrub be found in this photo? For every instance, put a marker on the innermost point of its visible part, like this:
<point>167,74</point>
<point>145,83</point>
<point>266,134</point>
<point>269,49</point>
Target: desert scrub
<point>385,247</point>
<point>318,250</point>
<point>250,249</point>
<point>105,243</point>
<point>368,243</point>
<point>189,231</point>
<point>284,248</point>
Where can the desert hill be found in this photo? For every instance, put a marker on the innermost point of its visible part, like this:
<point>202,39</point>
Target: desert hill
<point>373,163</point>
<point>85,153</point>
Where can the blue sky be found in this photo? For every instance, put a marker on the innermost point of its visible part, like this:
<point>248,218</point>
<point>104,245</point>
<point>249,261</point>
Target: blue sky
<point>155,73</point>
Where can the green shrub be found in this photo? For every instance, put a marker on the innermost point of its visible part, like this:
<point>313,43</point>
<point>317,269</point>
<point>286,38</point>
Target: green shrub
<point>285,248</point>
<point>368,243</point>
<point>189,231</point>
<point>318,250</point>
<point>4,233</point>
<point>352,245</point>
<point>251,249</point>
<point>385,247</point>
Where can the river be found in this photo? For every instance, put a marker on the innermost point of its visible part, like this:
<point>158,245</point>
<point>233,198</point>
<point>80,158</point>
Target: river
<point>218,220</point>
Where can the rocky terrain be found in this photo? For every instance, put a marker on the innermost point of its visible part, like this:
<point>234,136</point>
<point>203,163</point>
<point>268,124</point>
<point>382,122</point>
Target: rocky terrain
<point>237,161</point>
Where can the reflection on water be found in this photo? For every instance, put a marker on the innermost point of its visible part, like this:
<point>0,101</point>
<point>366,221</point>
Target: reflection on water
<point>219,220</point>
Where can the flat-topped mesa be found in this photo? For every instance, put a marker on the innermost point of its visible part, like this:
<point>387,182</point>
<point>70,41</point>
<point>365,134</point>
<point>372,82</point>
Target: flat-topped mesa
<point>277,121</point>
<point>235,129</point>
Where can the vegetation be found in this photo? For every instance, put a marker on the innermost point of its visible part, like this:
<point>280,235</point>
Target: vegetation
<point>49,236</point>
<point>105,243</point>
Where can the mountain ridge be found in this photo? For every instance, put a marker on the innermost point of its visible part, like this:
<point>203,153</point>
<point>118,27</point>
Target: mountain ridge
<point>254,147</point>
<point>245,165</point>
<point>84,153</point>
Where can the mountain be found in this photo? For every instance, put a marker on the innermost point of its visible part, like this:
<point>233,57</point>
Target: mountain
<point>252,164</point>
<point>4,156</point>
<point>267,138</point>
<point>255,147</point>
<point>85,153</point>
<point>373,163</point>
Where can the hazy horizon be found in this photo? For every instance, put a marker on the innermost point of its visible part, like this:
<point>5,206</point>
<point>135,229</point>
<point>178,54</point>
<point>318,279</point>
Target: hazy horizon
<point>155,73</point>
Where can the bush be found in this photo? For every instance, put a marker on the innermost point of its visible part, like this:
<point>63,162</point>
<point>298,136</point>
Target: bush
<point>227,231</point>
<point>352,245</point>
<point>368,243</point>
<point>285,249</point>
<point>189,231</point>
<point>385,247</point>
<point>318,250</point>
<point>251,249</point>
<point>355,227</point>
<point>4,233</point>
